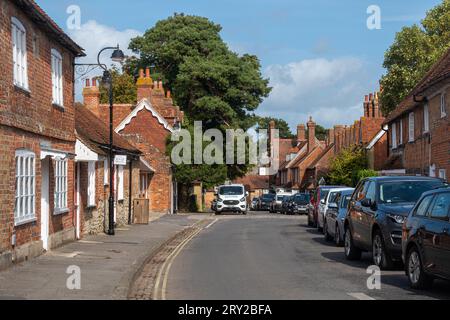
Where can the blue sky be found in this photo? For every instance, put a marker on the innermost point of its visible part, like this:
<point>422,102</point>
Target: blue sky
<point>320,56</point>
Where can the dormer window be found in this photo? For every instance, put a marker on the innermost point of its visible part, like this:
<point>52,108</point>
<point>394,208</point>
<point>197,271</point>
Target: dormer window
<point>19,42</point>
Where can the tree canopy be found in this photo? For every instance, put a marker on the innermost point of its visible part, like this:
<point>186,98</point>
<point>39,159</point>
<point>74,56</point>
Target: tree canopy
<point>414,51</point>
<point>209,82</point>
<point>280,124</point>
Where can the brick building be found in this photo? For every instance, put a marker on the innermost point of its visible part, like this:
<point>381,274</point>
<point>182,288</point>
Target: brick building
<point>419,128</point>
<point>92,175</point>
<point>37,139</point>
<point>146,126</point>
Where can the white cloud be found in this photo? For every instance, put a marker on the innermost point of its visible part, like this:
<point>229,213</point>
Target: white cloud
<point>329,90</point>
<point>93,36</point>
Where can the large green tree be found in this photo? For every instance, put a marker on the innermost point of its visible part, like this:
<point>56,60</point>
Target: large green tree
<point>209,82</point>
<point>413,52</point>
<point>280,124</point>
<point>124,88</point>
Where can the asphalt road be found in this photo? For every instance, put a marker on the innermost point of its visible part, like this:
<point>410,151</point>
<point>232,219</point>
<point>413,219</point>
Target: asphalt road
<point>264,256</point>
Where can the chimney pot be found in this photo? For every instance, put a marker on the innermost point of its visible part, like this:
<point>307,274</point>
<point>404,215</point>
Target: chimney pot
<point>94,82</point>
<point>141,73</point>
<point>147,73</point>
<point>88,83</point>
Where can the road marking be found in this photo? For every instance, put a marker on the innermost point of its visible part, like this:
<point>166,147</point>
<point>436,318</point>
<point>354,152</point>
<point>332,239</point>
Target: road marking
<point>211,224</point>
<point>361,296</point>
<point>161,270</point>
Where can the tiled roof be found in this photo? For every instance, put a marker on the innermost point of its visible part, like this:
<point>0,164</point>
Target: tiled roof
<point>439,71</point>
<point>95,133</point>
<point>254,182</point>
<point>323,154</point>
<point>40,17</point>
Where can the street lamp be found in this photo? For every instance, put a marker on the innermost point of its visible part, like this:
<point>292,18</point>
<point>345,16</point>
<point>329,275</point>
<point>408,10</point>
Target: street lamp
<point>83,69</point>
<point>117,56</point>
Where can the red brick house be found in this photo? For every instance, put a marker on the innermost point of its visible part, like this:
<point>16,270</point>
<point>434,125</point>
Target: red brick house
<point>146,125</point>
<point>37,139</point>
<point>419,128</point>
<point>92,175</point>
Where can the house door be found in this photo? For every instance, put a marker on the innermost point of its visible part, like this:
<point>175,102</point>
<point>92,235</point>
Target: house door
<point>78,199</point>
<point>45,205</point>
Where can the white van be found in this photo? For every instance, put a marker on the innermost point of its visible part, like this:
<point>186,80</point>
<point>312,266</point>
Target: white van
<point>232,198</point>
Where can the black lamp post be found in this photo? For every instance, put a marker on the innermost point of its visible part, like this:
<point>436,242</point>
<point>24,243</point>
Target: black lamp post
<point>83,69</point>
<point>117,56</point>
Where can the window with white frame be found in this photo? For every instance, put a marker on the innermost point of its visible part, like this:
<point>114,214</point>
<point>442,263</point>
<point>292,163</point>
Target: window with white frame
<point>443,174</point>
<point>24,209</point>
<point>426,118</point>
<point>400,132</point>
<point>19,41</point>
<point>106,172</point>
<point>394,136</point>
<point>120,183</point>
<point>443,106</point>
<point>57,78</point>
<point>91,184</point>
<point>61,189</point>
<point>411,127</point>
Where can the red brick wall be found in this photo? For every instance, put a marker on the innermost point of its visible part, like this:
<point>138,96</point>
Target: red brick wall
<point>33,111</point>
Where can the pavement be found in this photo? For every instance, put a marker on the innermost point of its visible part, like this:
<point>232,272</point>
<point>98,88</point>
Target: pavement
<point>262,256</point>
<point>107,264</point>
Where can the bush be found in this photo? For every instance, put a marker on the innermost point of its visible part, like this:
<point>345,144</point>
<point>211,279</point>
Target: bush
<point>364,173</point>
<point>346,167</point>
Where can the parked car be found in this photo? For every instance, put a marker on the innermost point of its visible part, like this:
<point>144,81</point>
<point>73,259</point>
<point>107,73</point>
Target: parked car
<point>335,216</point>
<point>232,198</point>
<point>426,239</point>
<point>254,204</point>
<point>276,204</point>
<point>317,200</point>
<point>285,205</point>
<point>300,203</point>
<point>377,211</point>
<point>266,200</point>
<point>323,207</point>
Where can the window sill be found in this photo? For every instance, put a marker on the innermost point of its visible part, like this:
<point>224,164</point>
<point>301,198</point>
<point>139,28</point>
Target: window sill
<point>22,90</point>
<point>24,222</point>
<point>58,106</point>
<point>58,212</point>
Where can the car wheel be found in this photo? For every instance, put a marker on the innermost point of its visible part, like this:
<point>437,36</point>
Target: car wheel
<point>337,236</point>
<point>418,279</point>
<point>380,255</point>
<point>245,213</point>
<point>351,252</point>
<point>326,234</point>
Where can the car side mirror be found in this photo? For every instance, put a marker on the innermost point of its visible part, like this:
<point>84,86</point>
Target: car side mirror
<point>367,203</point>
<point>322,201</point>
<point>247,194</point>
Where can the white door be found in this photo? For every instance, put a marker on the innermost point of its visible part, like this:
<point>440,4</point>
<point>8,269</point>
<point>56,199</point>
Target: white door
<point>78,199</point>
<point>45,206</point>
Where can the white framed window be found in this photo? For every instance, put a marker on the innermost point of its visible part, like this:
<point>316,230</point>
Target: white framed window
<point>120,183</point>
<point>443,106</point>
<point>443,174</point>
<point>106,172</point>
<point>19,42</point>
<point>57,78</point>
<point>25,200</point>
<point>433,171</point>
<point>411,127</point>
<point>61,189</point>
<point>400,132</point>
<point>426,118</point>
<point>394,135</point>
<point>91,184</point>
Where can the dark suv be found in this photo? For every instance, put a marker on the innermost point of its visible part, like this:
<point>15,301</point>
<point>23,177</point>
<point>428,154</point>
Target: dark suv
<point>426,239</point>
<point>377,211</point>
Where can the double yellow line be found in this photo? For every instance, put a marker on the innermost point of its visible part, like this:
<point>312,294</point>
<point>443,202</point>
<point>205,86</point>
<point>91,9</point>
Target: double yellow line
<point>160,289</point>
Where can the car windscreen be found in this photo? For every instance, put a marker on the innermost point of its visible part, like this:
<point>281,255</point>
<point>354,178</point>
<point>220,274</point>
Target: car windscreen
<point>267,197</point>
<point>405,191</point>
<point>302,199</point>
<point>231,191</point>
<point>281,198</point>
<point>324,194</point>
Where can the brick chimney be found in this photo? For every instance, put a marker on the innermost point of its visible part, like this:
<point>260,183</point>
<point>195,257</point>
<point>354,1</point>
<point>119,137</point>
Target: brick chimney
<point>91,96</point>
<point>301,133</point>
<point>311,135</point>
<point>330,136</point>
<point>371,106</point>
<point>366,106</point>
<point>144,85</point>
<point>376,104</point>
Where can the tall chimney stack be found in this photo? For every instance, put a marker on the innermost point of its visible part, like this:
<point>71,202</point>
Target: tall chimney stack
<point>331,136</point>
<point>311,135</point>
<point>301,133</point>
<point>144,85</point>
<point>91,96</point>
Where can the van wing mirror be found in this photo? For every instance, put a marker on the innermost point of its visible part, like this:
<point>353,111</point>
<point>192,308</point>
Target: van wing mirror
<point>367,203</point>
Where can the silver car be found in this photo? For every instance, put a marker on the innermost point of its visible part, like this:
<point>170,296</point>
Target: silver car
<point>335,216</point>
